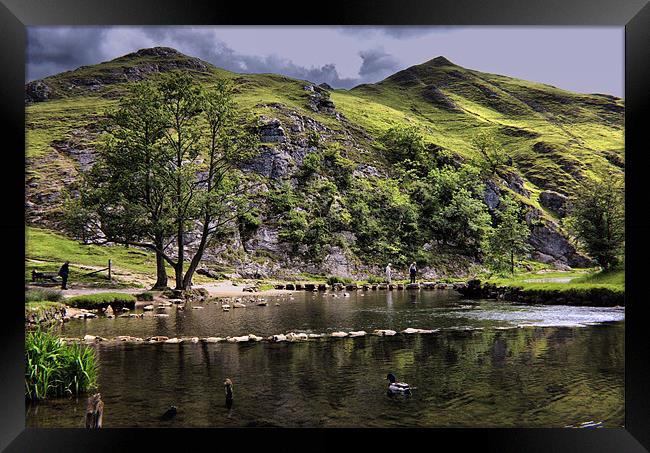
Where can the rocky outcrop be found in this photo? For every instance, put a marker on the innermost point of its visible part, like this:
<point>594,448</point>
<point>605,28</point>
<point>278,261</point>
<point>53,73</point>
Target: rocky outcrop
<point>37,91</point>
<point>554,201</point>
<point>319,100</point>
<point>271,131</point>
<point>551,247</point>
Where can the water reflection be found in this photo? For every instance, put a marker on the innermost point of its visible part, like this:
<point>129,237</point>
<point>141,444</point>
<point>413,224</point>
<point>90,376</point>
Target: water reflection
<point>536,376</point>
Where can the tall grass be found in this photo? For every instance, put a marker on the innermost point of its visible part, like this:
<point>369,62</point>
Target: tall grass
<point>43,294</point>
<point>53,368</point>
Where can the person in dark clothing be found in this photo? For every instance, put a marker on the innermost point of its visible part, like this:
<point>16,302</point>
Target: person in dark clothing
<point>412,271</point>
<point>63,273</point>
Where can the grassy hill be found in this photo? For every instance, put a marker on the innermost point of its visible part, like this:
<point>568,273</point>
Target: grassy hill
<point>555,137</point>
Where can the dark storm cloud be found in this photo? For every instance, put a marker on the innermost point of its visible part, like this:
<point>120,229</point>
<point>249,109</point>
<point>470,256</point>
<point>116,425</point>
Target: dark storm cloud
<point>377,63</point>
<point>222,56</point>
<point>54,49</point>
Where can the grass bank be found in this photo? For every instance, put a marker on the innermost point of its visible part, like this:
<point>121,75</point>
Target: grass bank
<point>47,250</point>
<point>595,288</point>
<point>102,300</point>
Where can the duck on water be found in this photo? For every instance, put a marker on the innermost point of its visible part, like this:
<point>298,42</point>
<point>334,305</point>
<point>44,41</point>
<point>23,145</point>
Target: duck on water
<point>397,388</point>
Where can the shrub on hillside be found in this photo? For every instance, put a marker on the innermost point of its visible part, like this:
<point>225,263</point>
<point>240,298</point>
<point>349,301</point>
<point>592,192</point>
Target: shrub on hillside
<point>332,279</point>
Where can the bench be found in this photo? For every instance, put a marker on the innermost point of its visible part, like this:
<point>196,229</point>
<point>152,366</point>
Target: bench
<point>41,276</point>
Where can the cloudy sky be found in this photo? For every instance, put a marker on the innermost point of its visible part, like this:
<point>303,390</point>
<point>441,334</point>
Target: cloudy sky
<point>582,59</point>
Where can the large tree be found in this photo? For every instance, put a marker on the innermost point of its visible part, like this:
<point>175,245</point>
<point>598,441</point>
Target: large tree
<point>505,244</point>
<point>123,199</point>
<point>168,167</point>
<point>597,218</point>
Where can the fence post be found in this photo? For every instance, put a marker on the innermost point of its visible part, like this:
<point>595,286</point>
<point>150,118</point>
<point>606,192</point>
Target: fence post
<point>109,271</point>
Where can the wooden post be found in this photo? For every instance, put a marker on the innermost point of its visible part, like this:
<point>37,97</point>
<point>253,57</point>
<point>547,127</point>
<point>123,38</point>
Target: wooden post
<point>109,271</point>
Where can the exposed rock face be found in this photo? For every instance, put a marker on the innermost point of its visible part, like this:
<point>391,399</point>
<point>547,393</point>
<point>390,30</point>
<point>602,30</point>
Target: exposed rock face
<point>37,91</point>
<point>266,238</point>
<point>319,100</point>
<point>491,196</point>
<point>554,201</point>
<point>516,184</point>
<point>273,163</point>
<point>337,263</point>
<point>550,246</point>
<point>271,131</point>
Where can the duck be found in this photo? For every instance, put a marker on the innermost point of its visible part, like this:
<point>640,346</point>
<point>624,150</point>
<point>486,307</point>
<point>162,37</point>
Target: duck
<point>397,388</point>
<point>169,414</point>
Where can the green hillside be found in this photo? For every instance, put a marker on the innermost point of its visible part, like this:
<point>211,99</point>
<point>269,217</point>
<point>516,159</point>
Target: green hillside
<point>554,137</point>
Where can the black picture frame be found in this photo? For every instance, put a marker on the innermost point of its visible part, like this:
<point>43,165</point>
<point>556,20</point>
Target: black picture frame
<point>15,15</point>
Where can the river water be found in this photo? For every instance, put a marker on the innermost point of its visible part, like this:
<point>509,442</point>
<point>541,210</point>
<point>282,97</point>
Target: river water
<point>490,364</point>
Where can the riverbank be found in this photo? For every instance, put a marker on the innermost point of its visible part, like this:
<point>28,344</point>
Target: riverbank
<point>579,294</point>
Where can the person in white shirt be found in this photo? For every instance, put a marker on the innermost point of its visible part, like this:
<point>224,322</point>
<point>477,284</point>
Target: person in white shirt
<point>388,272</point>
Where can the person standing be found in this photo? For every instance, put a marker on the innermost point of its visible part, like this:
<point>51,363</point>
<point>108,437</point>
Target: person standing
<point>63,273</point>
<point>388,273</point>
<point>413,271</point>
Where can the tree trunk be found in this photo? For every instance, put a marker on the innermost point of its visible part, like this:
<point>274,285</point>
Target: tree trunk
<point>161,272</point>
<point>187,280</point>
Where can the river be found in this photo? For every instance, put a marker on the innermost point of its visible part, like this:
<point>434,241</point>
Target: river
<point>489,364</point>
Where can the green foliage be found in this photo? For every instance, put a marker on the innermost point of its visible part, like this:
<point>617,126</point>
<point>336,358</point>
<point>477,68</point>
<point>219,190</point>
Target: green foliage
<point>145,296</point>
<point>452,209</point>
<point>313,139</point>
<point>491,155</point>
<point>295,227</point>
<point>505,244</point>
<point>373,280</point>
<point>43,294</point>
<point>249,222</point>
<point>332,279</point>
<point>597,219</point>
<point>53,368</point>
<point>102,300</point>
<point>282,199</point>
<point>404,146</point>
<point>311,164</point>
<point>144,187</point>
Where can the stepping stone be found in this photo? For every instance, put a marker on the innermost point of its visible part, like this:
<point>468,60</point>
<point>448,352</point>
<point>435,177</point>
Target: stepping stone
<point>385,332</point>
